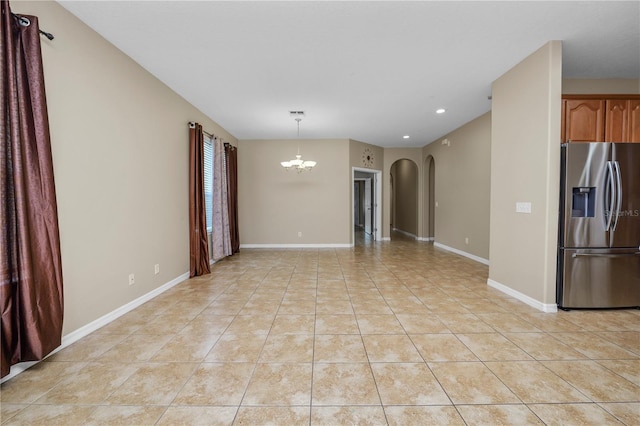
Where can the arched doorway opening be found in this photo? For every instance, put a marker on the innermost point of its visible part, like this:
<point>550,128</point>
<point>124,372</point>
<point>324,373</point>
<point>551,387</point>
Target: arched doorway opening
<point>429,199</point>
<point>404,197</point>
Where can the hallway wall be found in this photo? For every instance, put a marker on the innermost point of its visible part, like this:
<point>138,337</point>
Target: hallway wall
<point>462,187</point>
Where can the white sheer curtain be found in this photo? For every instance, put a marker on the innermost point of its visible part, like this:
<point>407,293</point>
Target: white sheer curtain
<point>221,239</point>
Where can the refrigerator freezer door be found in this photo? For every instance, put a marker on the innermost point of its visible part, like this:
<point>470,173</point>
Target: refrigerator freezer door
<point>627,218</point>
<point>587,194</point>
<point>608,278</point>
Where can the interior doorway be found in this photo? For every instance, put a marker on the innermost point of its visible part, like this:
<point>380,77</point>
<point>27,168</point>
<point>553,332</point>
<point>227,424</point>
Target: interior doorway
<point>431,228</point>
<point>366,203</point>
<point>428,218</point>
<point>364,214</point>
<point>404,182</point>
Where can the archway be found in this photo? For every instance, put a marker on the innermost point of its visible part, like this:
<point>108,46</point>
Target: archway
<point>404,197</point>
<point>430,197</point>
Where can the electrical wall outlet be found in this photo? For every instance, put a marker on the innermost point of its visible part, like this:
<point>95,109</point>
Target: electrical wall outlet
<point>299,234</point>
<point>156,268</point>
<point>466,240</point>
<point>132,279</point>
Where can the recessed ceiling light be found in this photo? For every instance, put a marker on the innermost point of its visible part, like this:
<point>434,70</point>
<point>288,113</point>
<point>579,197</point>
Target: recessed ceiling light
<point>405,137</point>
<point>440,111</point>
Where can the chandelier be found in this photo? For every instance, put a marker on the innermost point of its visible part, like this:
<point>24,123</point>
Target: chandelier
<point>298,163</point>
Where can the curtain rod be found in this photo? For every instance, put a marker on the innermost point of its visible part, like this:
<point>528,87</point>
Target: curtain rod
<point>192,125</point>
<point>25,22</point>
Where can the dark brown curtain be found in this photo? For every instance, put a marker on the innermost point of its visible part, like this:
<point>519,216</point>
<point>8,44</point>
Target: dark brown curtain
<point>31,298</point>
<point>198,244</point>
<point>231,157</point>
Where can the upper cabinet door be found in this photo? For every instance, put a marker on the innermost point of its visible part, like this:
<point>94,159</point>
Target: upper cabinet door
<point>634,120</point>
<point>584,120</point>
<point>617,120</point>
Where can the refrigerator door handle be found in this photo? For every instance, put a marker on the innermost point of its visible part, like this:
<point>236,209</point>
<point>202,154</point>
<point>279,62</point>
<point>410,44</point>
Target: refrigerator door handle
<point>611,196</point>
<point>616,166</point>
<point>605,254</point>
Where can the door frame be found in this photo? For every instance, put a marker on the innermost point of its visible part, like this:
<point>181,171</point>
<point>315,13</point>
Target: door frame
<point>376,182</point>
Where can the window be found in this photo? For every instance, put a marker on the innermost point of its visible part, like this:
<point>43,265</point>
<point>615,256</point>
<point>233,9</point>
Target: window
<point>208,179</point>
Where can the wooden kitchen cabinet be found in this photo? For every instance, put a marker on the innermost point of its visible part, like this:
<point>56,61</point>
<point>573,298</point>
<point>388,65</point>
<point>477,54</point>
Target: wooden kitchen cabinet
<point>617,119</point>
<point>597,118</point>
<point>584,120</point>
<point>622,120</point>
<point>634,120</point>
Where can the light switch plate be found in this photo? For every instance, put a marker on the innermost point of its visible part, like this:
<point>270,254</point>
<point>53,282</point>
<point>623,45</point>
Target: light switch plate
<point>523,207</point>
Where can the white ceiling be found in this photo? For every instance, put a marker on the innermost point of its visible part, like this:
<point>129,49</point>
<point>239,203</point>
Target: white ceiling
<point>370,71</point>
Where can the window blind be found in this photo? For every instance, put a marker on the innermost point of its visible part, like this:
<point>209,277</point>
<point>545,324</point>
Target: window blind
<point>208,179</point>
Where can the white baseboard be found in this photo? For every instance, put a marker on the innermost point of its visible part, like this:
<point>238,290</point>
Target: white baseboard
<point>544,307</point>
<point>408,234</point>
<point>18,368</point>
<point>425,238</point>
<point>292,246</point>
<point>462,253</point>
<point>385,239</point>
<point>111,316</point>
<point>84,331</point>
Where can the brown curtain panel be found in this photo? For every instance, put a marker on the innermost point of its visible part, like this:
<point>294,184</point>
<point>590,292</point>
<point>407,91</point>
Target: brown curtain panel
<point>231,154</point>
<point>198,244</point>
<point>31,298</point>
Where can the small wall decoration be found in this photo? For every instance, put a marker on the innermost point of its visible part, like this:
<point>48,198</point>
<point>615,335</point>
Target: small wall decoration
<point>367,158</point>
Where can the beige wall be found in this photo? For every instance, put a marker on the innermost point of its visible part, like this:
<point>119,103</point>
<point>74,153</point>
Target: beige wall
<point>404,174</point>
<point>525,158</point>
<point>275,204</point>
<point>391,155</point>
<point>356,151</point>
<point>576,86</point>
<point>462,187</point>
<point>120,150</point>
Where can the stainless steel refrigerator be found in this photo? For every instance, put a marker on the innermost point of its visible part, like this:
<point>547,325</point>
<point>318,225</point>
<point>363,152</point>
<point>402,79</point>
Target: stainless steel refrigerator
<point>599,234</point>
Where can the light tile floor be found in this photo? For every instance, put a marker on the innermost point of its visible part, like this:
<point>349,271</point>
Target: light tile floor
<point>397,333</point>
